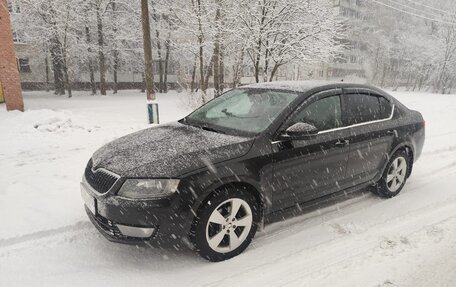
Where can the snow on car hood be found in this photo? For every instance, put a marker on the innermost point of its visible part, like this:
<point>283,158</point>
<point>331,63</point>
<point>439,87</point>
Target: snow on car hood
<point>168,151</point>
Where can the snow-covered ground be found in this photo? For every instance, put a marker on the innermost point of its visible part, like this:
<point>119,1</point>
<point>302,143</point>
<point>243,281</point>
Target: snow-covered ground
<point>47,240</point>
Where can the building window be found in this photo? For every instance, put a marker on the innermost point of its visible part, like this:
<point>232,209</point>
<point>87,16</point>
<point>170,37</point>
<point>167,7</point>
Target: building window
<point>343,11</point>
<point>15,37</point>
<point>340,58</point>
<point>18,37</point>
<point>10,6</point>
<point>14,6</point>
<point>187,70</point>
<point>24,65</point>
<point>248,72</point>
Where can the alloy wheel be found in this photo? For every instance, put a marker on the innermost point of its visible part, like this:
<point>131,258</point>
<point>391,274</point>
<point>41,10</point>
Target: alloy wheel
<point>397,172</point>
<point>229,225</point>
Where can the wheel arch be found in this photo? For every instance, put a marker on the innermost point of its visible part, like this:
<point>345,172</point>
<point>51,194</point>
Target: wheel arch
<point>410,152</point>
<point>409,149</point>
<point>239,184</point>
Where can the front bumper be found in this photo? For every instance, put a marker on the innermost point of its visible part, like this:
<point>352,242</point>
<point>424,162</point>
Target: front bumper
<point>157,222</point>
<point>111,231</point>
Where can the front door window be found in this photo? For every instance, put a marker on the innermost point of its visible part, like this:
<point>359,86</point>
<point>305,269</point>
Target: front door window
<point>324,114</point>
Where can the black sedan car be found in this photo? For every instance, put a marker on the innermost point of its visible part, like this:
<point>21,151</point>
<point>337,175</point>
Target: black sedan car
<point>212,178</point>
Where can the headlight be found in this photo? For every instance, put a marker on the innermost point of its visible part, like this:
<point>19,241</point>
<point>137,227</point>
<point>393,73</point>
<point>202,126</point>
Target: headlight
<point>148,188</point>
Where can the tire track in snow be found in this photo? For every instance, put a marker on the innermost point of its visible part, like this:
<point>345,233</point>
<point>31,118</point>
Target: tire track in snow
<point>340,203</point>
<point>360,201</point>
<point>340,255</point>
<point>79,226</point>
<point>336,248</point>
<point>443,134</point>
<point>418,236</point>
<point>333,208</point>
<point>439,151</point>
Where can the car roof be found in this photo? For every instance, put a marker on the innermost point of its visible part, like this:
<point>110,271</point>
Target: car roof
<point>305,86</point>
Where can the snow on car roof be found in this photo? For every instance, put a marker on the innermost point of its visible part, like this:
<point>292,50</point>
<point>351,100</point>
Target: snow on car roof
<point>298,86</point>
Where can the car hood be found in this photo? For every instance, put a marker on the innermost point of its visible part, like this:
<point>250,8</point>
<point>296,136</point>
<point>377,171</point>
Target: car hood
<point>168,151</point>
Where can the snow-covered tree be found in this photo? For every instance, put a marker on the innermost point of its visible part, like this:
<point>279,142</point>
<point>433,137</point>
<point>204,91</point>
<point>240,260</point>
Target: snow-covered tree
<point>409,45</point>
<point>51,25</point>
<point>216,38</point>
<point>283,32</point>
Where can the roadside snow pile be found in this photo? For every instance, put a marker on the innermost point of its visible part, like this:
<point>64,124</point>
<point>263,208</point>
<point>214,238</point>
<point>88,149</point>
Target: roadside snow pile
<point>57,122</point>
<point>43,121</point>
<point>44,151</point>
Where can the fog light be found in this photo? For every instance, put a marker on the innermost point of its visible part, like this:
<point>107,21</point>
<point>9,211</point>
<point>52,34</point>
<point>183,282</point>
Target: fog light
<point>140,232</point>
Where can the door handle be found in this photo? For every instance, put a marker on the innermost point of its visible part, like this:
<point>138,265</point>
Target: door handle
<point>391,133</point>
<point>342,143</point>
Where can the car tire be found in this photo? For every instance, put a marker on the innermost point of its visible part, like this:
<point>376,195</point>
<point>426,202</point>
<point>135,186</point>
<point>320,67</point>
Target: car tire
<point>394,176</point>
<point>217,234</point>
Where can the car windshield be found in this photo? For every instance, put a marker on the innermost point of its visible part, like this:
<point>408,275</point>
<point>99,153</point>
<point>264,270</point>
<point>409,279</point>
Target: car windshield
<point>246,110</point>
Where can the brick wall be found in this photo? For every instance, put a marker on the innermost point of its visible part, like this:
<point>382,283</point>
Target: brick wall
<point>9,75</point>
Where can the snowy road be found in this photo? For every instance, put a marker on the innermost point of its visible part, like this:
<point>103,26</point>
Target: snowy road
<point>46,239</point>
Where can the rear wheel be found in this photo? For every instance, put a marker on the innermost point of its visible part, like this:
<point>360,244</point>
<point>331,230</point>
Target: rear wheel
<point>394,176</point>
<point>226,224</point>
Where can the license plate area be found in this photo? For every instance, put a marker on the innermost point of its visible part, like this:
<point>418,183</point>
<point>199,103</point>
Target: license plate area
<point>89,200</point>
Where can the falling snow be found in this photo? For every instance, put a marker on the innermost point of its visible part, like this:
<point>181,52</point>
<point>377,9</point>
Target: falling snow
<point>356,240</point>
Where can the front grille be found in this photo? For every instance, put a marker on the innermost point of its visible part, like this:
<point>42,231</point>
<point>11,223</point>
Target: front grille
<point>100,180</point>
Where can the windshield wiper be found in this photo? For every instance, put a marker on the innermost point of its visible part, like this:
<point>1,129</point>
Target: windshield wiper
<point>200,125</point>
<point>206,128</point>
<point>236,116</point>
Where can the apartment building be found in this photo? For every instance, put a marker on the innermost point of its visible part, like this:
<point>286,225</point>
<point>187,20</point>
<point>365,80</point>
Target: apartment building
<point>348,65</point>
<point>28,60</point>
<point>10,89</point>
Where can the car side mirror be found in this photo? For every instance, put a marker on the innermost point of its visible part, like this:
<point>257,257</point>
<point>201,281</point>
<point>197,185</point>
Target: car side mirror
<point>300,131</point>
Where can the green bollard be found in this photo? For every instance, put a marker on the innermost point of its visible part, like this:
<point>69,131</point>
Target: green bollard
<point>152,111</point>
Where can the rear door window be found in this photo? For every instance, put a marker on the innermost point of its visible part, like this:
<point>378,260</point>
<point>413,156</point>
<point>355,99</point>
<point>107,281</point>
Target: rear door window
<point>385,107</point>
<point>361,108</point>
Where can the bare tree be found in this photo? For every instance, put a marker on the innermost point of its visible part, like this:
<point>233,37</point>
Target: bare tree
<point>157,20</point>
<point>217,51</point>
<point>93,85</point>
<point>101,54</point>
<point>115,51</point>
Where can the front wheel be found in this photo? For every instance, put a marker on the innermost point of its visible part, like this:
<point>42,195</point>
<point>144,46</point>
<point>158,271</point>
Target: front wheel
<point>226,224</point>
<point>394,177</point>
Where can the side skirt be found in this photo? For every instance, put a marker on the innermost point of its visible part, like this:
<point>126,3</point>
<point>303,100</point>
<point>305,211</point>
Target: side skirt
<point>313,205</point>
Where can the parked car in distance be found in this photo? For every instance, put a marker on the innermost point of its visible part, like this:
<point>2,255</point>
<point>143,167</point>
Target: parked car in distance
<point>212,178</point>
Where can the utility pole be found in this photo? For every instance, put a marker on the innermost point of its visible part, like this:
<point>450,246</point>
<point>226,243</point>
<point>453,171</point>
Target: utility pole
<point>152,106</point>
<point>148,69</point>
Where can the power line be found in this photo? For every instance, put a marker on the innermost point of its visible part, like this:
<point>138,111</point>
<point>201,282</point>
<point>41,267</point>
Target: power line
<point>430,7</point>
<point>432,14</point>
<point>414,14</point>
